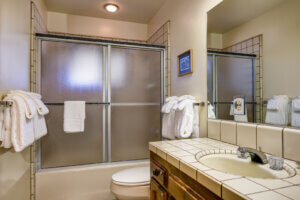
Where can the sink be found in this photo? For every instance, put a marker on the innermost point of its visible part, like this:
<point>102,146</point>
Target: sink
<point>229,163</point>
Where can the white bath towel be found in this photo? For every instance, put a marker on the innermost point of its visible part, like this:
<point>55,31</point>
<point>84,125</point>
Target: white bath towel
<point>22,128</point>
<point>295,114</point>
<point>74,116</point>
<point>210,111</point>
<point>168,123</point>
<point>195,133</point>
<point>184,118</point>
<point>35,98</point>
<point>273,104</point>
<point>282,115</point>
<point>6,128</point>
<point>296,104</point>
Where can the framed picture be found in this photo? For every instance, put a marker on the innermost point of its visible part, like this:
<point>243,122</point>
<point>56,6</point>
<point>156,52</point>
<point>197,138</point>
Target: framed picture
<point>185,63</point>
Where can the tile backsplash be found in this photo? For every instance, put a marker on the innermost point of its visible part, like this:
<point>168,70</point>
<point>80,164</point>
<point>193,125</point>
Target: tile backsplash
<point>279,141</point>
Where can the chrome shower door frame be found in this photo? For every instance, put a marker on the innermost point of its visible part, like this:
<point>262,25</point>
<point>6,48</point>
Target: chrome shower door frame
<point>106,92</point>
<point>215,55</point>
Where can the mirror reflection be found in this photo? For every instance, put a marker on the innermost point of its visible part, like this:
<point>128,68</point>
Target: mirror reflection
<point>252,66</point>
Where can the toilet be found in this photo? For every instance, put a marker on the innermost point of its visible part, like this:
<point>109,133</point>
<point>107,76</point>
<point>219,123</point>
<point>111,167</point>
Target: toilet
<point>131,184</point>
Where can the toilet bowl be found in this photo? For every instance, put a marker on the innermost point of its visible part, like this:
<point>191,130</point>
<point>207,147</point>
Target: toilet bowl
<point>131,184</point>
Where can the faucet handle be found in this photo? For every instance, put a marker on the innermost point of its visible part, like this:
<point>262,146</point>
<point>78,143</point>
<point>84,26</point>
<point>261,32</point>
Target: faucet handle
<point>242,153</point>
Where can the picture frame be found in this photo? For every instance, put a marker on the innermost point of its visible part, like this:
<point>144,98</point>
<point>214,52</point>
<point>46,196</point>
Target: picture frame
<point>185,63</point>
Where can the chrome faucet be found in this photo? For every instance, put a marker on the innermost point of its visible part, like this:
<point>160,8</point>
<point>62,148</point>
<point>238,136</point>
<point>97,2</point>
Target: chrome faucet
<point>256,156</point>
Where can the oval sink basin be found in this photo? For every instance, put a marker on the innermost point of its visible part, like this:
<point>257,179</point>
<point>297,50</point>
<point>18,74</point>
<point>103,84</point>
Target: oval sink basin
<point>230,163</point>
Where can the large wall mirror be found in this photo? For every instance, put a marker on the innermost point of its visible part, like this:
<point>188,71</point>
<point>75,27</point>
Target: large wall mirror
<point>253,63</point>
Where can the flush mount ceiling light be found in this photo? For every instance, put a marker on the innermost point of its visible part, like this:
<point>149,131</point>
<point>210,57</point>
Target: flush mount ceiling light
<point>110,7</point>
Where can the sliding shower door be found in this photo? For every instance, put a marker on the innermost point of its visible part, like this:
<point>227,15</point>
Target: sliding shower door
<point>122,88</point>
<point>135,102</point>
<point>235,77</point>
<point>72,71</point>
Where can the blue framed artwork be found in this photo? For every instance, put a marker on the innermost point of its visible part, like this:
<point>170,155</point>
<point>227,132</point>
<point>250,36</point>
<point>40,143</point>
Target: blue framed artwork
<point>185,63</point>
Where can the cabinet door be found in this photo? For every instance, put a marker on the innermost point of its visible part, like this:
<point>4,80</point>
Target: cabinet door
<point>181,191</point>
<point>157,192</point>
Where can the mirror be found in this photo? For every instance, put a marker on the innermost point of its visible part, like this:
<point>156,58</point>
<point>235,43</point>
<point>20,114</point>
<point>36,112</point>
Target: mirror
<point>252,63</point>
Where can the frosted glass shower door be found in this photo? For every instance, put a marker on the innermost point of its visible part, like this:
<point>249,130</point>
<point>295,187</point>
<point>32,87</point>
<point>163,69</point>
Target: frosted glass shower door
<point>72,71</point>
<point>135,102</point>
<point>235,76</point>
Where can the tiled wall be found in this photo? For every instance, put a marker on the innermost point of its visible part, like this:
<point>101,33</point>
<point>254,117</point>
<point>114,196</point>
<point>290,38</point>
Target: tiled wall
<point>37,26</point>
<point>279,141</point>
<point>162,37</point>
<point>253,45</point>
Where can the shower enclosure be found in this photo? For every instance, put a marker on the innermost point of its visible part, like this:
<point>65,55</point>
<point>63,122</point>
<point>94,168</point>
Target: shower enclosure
<point>122,85</point>
<point>230,75</point>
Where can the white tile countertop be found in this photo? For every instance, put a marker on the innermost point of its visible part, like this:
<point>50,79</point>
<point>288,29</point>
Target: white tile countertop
<point>182,154</point>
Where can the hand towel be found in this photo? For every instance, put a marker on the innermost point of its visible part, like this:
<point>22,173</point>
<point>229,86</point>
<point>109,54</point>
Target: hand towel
<point>184,118</point>
<point>22,128</point>
<point>273,104</point>
<point>74,116</point>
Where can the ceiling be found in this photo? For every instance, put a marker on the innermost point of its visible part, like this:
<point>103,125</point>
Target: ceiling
<point>140,11</point>
<point>232,13</point>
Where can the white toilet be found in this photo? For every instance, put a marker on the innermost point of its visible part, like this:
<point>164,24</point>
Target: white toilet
<point>131,184</point>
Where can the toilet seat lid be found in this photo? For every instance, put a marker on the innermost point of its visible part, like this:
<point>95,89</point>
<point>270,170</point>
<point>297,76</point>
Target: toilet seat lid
<point>132,176</point>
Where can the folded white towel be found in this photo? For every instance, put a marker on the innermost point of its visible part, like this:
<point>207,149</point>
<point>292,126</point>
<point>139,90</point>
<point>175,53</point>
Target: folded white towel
<point>168,125</point>
<point>273,104</point>
<point>74,116</point>
<point>36,100</point>
<point>280,116</point>
<point>195,133</point>
<point>22,128</point>
<point>168,122</point>
<point>6,128</point>
<point>169,105</point>
<point>184,118</point>
<point>296,105</point>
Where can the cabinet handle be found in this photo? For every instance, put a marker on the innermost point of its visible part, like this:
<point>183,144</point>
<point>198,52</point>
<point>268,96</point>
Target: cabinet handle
<point>156,172</point>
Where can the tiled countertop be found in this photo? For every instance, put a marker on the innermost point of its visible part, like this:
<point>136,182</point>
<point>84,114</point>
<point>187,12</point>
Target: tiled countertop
<point>181,154</point>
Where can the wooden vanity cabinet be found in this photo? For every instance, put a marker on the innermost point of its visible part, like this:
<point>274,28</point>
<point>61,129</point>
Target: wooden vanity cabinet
<point>169,183</point>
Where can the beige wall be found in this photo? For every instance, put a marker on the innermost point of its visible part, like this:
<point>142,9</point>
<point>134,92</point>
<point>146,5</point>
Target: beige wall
<point>281,46</point>
<point>14,74</point>
<point>214,41</point>
<point>188,31</point>
<point>74,24</point>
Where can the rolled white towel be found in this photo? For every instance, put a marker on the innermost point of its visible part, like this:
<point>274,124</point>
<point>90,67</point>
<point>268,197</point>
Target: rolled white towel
<point>273,105</point>
<point>210,111</point>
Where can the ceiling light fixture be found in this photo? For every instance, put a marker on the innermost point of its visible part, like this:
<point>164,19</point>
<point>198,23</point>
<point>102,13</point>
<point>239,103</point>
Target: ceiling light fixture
<point>110,7</point>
